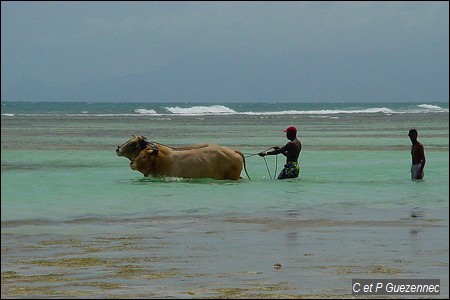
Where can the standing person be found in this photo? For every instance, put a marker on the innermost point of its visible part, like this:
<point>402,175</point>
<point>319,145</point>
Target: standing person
<point>418,156</point>
<point>292,151</point>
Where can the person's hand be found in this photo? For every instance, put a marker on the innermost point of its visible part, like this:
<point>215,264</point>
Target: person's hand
<point>262,154</point>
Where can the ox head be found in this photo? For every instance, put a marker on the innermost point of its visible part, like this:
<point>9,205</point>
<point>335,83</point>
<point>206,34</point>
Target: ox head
<point>132,147</point>
<point>144,161</point>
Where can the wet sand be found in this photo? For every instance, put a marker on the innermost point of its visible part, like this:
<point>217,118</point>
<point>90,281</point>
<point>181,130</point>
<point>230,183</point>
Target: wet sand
<point>217,257</point>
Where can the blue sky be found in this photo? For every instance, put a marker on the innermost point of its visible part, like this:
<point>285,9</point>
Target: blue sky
<point>225,51</point>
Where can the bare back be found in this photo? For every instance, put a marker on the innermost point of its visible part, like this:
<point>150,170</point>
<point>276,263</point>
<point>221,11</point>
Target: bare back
<point>292,150</point>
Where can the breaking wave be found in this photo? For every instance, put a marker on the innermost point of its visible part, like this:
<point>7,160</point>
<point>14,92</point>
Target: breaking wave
<point>250,109</point>
<point>202,110</point>
<point>144,111</point>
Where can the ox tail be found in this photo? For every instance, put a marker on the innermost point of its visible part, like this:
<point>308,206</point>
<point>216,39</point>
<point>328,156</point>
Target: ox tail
<point>243,158</point>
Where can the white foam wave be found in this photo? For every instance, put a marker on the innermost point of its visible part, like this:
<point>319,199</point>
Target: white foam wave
<point>219,110</point>
<point>201,110</point>
<point>431,107</point>
<point>427,108</point>
<point>324,112</point>
<point>223,110</point>
<point>144,111</point>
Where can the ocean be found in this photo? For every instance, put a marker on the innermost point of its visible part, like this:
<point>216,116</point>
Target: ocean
<point>77,222</point>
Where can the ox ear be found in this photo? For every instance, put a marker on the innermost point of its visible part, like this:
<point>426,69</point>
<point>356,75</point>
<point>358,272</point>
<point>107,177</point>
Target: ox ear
<point>153,151</point>
<point>147,153</point>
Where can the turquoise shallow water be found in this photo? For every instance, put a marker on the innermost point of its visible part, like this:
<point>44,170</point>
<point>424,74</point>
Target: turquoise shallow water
<point>63,185</point>
<point>65,193</point>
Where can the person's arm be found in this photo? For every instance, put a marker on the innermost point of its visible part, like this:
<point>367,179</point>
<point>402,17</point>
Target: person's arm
<point>277,150</point>
<point>422,159</point>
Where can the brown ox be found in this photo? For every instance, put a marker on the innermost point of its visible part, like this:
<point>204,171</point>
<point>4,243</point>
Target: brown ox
<point>213,161</point>
<point>137,143</point>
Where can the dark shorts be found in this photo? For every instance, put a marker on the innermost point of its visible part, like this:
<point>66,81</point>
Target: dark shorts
<point>291,170</point>
<point>415,171</point>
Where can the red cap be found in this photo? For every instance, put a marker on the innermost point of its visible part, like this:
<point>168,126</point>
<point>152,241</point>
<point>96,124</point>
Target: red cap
<point>291,128</point>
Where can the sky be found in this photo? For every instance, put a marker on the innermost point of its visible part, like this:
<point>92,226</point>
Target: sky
<point>221,52</point>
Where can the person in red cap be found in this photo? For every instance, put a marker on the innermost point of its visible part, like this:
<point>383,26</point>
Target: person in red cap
<point>292,152</point>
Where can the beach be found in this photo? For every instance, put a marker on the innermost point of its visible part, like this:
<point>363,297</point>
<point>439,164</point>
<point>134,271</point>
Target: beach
<point>218,257</point>
<point>77,222</point>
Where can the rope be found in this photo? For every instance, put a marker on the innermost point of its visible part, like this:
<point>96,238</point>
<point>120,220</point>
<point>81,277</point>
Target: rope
<point>249,155</point>
<point>276,166</point>
<point>267,167</point>
<point>253,154</point>
<point>265,161</point>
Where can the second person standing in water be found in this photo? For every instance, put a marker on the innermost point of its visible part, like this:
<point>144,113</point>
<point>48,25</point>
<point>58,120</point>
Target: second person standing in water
<point>292,152</point>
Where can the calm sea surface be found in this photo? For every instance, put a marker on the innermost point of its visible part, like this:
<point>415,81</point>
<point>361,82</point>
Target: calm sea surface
<point>65,194</point>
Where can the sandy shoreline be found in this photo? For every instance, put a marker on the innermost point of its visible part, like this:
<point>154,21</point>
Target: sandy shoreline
<point>228,257</point>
